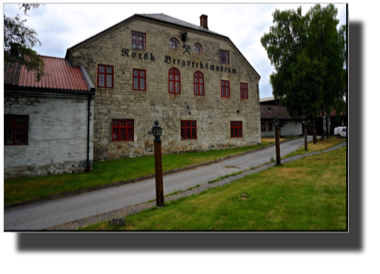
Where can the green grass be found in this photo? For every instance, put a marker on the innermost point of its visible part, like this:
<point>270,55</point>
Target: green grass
<point>319,146</point>
<point>23,189</point>
<point>307,194</point>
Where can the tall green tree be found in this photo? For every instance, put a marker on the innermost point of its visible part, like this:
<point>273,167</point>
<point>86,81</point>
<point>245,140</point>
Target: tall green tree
<point>19,41</point>
<point>307,56</point>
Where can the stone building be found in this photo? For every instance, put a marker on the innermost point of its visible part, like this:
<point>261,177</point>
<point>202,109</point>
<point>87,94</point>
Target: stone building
<point>48,125</point>
<point>195,82</point>
<point>269,110</point>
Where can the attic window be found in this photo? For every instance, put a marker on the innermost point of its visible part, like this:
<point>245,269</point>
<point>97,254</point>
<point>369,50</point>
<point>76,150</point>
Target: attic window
<point>269,109</point>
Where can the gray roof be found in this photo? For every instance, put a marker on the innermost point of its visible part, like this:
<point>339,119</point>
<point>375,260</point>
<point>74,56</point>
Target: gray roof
<point>172,20</point>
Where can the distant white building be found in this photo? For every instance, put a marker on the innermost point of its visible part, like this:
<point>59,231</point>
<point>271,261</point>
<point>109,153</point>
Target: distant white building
<point>269,110</point>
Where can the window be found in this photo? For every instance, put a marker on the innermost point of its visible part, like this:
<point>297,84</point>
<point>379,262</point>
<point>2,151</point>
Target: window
<point>16,130</point>
<point>199,83</point>
<point>105,76</point>
<point>243,91</point>
<point>198,48</point>
<point>188,130</point>
<point>236,129</point>
<point>225,86</point>
<point>122,130</point>
<point>224,56</point>
<point>138,40</point>
<point>173,43</point>
<point>174,81</point>
<point>139,79</point>
<point>270,126</point>
<point>263,126</point>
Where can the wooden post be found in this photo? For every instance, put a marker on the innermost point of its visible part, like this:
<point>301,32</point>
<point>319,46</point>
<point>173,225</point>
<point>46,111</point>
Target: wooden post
<point>159,179</point>
<point>278,157</point>
<point>314,134</point>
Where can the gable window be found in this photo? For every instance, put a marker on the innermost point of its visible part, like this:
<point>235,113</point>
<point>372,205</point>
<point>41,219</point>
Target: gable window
<point>236,129</point>
<point>188,130</point>
<point>270,126</point>
<point>139,79</point>
<point>105,76</point>
<point>225,88</point>
<point>243,91</point>
<point>198,48</point>
<point>138,40</point>
<point>263,126</point>
<point>16,130</point>
<point>174,81</point>
<point>173,43</point>
<point>224,57</point>
<point>199,83</point>
<point>122,130</point>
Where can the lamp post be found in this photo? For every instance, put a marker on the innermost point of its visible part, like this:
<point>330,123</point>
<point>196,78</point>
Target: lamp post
<point>157,131</point>
<point>276,124</point>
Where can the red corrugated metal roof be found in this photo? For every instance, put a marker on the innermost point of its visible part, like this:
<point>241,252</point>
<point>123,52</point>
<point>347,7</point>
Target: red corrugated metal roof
<point>61,76</point>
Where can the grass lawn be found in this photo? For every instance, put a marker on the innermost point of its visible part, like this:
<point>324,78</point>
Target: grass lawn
<point>319,146</point>
<point>23,189</point>
<point>307,194</point>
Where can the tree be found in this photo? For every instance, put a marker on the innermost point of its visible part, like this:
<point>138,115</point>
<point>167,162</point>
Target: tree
<point>19,41</point>
<point>307,55</point>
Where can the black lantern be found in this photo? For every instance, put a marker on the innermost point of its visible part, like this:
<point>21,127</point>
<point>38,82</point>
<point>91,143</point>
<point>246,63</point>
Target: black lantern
<point>157,131</point>
<point>276,123</point>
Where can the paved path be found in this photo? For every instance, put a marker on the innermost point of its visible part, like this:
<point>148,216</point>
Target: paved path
<point>55,212</point>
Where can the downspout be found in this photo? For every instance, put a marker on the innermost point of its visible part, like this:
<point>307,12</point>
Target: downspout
<point>88,134</point>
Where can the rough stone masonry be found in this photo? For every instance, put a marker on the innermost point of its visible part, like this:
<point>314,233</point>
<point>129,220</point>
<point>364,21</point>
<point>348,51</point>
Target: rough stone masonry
<point>212,112</point>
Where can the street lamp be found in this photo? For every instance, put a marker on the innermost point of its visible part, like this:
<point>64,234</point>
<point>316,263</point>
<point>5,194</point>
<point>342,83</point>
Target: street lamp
<point>276,124</point>
<point>157,131</point>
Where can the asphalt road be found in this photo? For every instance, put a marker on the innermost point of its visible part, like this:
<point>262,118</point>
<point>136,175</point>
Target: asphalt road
<point>55,212</point>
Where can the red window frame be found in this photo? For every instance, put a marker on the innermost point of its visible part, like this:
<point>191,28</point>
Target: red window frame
<point>123,130</point>
<point>188,130</point>
<point>174,78</point>
<point>198,48</point>
<point>224,57</point>
<point>138,40</point>
<point>225,90</point>
<point>263,126</point>
<point>13,127</point>
<point>141,75</point>
<point>236,129</point>
<point>173,43</point>
<point>105,71</point>
<point>243,91</point>
<point>199,83</point>
<point>270,126</point>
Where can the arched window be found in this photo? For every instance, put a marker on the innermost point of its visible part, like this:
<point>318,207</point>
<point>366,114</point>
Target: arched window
<point>198,48</point>
<point>174,81</point>
<point>199,83</point>
<point>173,43</point>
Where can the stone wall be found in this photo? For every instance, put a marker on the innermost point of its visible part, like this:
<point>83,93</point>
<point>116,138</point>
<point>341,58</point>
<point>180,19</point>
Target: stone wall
<point>212,112</point>
<point>57,134</point>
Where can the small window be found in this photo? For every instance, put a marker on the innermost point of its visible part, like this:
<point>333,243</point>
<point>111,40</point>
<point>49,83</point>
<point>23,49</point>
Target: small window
<point>105,76</point>
<point>344,130</point>
<point>198,48</point>
<point>224,57</point>
<point>138,40</point>
<point>263,126</point>
<point>236,129</point>
<point>270,126</point>
<point>199,83</point>
<point>139,79</point>
<point>122,130</point>
<point>225,88</point>
<point>243,91</point>
<point>173,43</point>
<point>188,130</point>
<point>16,130</point>
<point>174,81</point>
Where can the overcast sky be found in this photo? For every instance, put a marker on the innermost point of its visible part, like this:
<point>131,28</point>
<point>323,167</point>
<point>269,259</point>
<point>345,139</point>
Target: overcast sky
<point>61,26</point>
